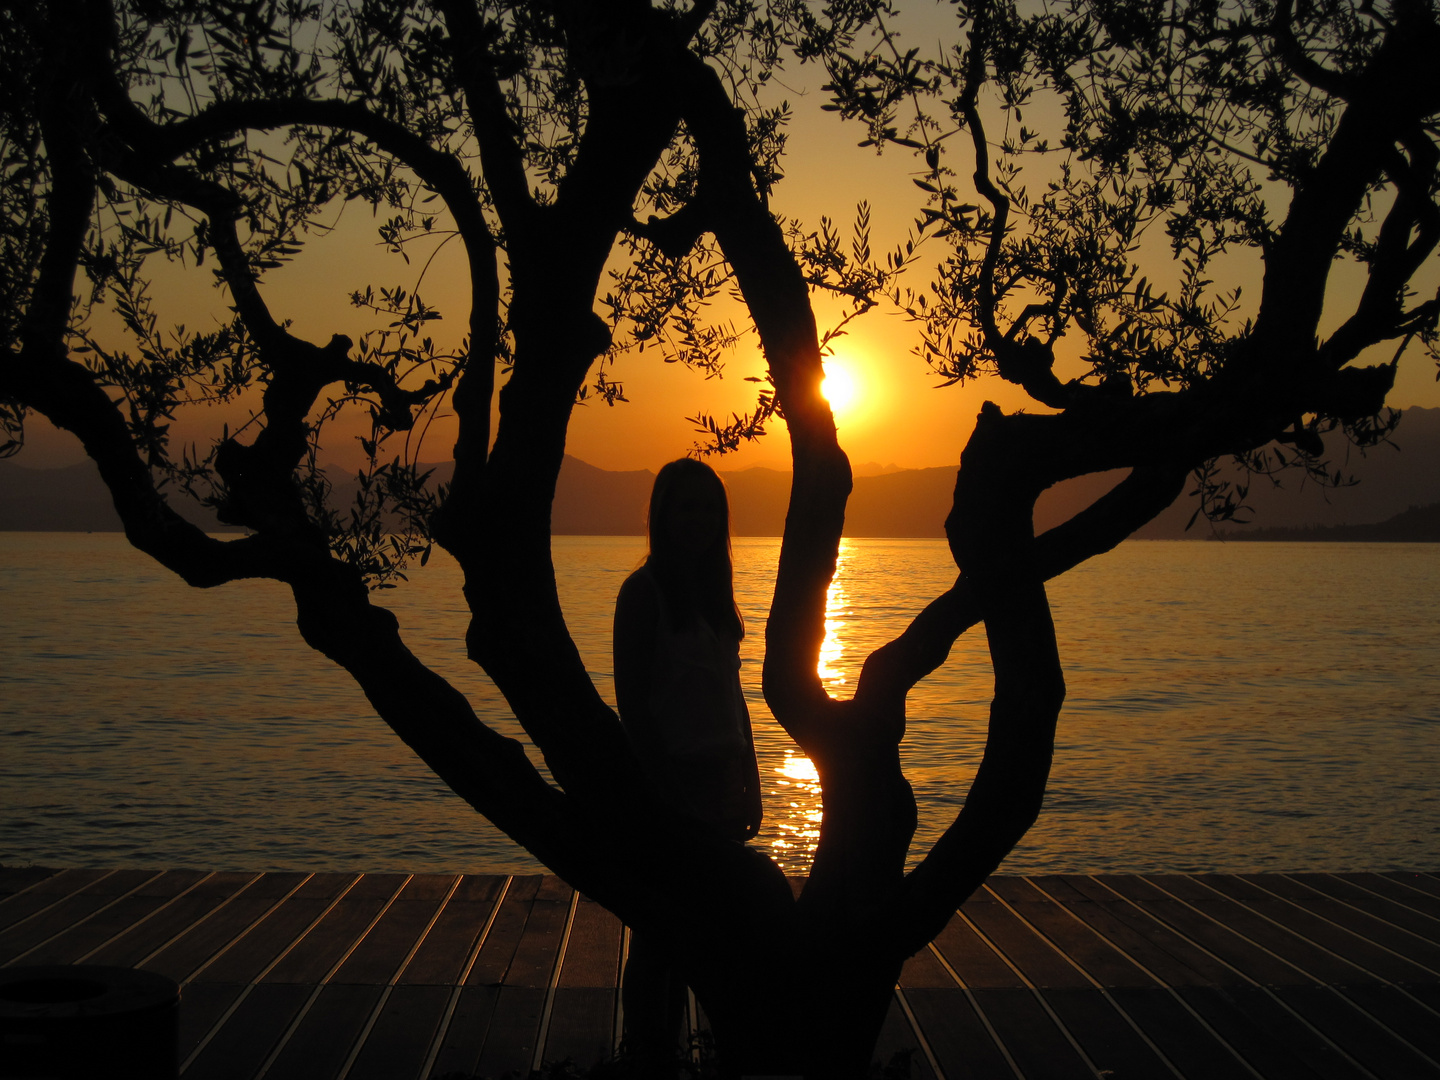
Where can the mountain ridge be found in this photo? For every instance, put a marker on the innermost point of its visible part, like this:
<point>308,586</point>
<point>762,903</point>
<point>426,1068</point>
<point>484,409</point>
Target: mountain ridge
<point>890,503</point>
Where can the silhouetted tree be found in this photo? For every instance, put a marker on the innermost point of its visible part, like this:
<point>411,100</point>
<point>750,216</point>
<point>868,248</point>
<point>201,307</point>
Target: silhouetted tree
<point>215,132</point>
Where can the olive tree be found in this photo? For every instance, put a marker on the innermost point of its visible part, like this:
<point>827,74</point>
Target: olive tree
<point>617,153</point>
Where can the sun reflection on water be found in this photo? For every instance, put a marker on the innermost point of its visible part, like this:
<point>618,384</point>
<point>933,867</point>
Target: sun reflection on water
<point>796,784</point>
<point>837,613</point>
<point>797,828</point>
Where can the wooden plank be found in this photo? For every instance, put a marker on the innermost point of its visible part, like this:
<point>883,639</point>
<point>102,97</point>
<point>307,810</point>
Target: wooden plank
<point>1073,938</point>
<point>1236,936</point>
<point>583,1013</point>
<point>1381,907</point>
<point>1202,993</point>
<point>1426,883</point>
<point>403,1031</point>
<point>1169,955</point>
<point>1291,973</point>
<point>16,879</point>
<point>114,920</point>
<point>957,1036</point>
<point>69,912</point>
<point>469,1028</point>
<point>1037,960</point>
<point>592,956</point>
<point>45,893</point>
<point>1350,917</point>
<point>504,938</point>
<point>442,955</point>
<point>582,1026</point>
<point>466,1035</point>
<point>240,1047</point>
<point>201,1007</point>
<point>1408,899</point>
<point>1356,1033</point>
<point>248,955</point>
<point>514,1026</point>
<point>1098,1023</point>
<point>1291,916</point>
<point>520,1007</point>
<point>322,947</point>
<point>219,928</point>
<point>377,959</point>
<point>1259,1027</point>
<point>973,960</point>
<point>1399,1010</point>
<point>321,1043</point>
<point>1329,1017</point>
<point>898,1039</point>
<point>925,971</point>
<point>1095,1021</point>
<point>534,963</point>
<point>173,921</point>
<point>1039,1048</point>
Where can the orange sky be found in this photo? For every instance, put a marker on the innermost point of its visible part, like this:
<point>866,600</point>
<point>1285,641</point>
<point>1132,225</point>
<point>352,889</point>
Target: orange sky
<point>898,416</point>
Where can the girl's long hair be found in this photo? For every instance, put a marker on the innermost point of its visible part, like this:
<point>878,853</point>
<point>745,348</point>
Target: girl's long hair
<point>694,581</point>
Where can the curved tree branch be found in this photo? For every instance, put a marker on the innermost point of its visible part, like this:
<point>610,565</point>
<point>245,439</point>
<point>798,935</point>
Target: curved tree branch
<point>500,150</point>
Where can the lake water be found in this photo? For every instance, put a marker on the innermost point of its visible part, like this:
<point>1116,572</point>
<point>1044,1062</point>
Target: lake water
<point>1235,707</point>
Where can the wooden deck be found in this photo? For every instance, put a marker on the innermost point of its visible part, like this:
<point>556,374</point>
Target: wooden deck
<point>399,977</point>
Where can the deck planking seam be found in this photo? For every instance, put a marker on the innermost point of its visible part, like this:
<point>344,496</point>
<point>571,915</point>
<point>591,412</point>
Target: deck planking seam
<point>1390,899</point>
<point>985,1021</point>
<point>394,976</point>
<point>193,925</point>
<point>1276,998</point>
<point>237,938</point>
<point>443,1029</point>
<point>1384,1025</point>
<point>1395,879</point>
<point>1199,946</point>
<point>8,897</point>
<point>82,921</point>
<point>1350,929</point>
<point>1344,959</point>
<point>1035,993</point>
<point>255,980</point>
<point>146,917</point>
<point>283,1041</point>
<point>920,1038</point>
<point>1164,984</point>
<point>1315,981</point>
<point>543,1035</point>
<point>1094,982</point>
<point>1293,892</point>
<point>54,903</point>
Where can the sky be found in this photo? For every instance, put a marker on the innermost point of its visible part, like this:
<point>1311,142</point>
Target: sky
<point>896,414</point>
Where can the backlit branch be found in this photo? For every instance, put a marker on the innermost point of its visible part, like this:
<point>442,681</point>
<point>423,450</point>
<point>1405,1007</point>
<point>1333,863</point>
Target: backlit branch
<point>495,131</point>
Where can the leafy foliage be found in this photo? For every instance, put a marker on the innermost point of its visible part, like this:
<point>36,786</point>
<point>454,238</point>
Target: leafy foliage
<point>1182,127</point>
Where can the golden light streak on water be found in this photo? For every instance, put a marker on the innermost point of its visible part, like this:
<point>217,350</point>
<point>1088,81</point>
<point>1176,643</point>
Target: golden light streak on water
<point>797,831</point>
<point>837,611</point>
<point>799,768</point>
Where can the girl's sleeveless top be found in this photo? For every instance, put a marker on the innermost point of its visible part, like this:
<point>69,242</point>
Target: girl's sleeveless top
<point>699,749</point>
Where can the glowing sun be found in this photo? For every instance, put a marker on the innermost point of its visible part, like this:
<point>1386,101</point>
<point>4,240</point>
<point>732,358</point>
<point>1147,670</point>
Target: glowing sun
<point>839,386</point>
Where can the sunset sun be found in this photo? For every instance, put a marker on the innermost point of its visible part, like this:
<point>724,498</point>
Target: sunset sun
<point>839,386</point>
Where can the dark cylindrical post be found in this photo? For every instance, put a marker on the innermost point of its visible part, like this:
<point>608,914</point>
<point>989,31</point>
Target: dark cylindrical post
<point>65,1022</point>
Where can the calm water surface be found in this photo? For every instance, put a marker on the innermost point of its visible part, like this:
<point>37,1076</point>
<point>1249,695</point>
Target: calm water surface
<point>1231,707</point>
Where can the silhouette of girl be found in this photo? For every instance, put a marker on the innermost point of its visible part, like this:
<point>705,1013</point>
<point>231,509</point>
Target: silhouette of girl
<point>677,683</point>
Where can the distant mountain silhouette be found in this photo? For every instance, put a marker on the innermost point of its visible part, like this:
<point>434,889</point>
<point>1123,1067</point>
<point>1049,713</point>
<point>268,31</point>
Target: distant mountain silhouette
<point>1419,524</point>
<point>1390,479</point>
<point>899,503</point>
<point>73,499</point>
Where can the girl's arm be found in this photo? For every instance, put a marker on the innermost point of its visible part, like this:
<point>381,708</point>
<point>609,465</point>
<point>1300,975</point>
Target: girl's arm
<point>754,807</point>
<point>637,618</point>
